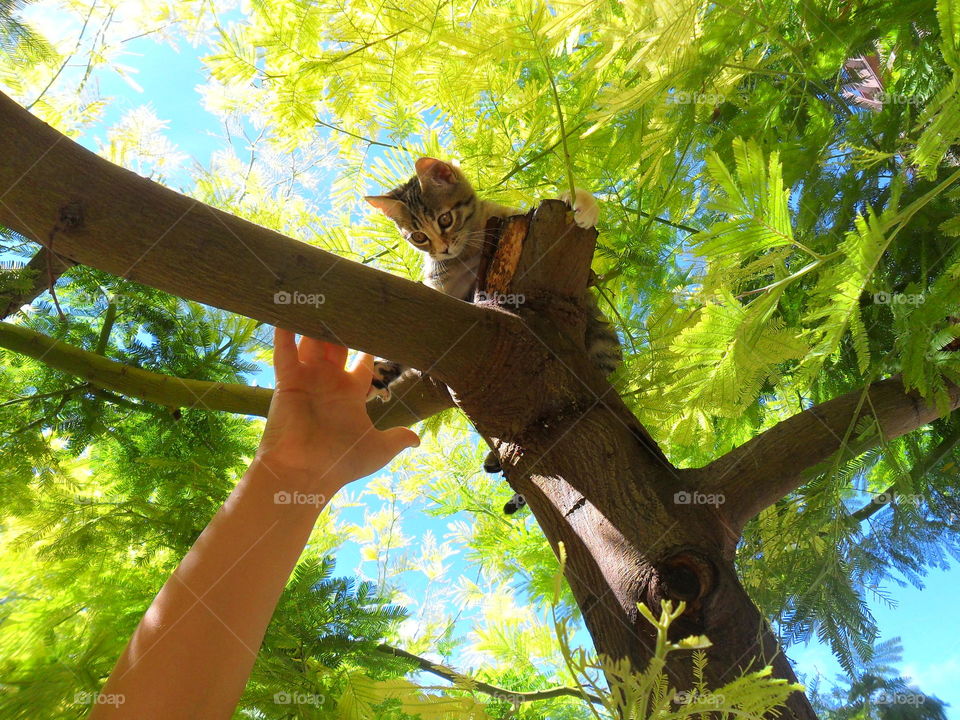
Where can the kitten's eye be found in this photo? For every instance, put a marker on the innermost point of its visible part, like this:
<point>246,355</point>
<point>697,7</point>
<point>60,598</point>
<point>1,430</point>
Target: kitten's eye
<point>445,220</point>
<point>418,238</point>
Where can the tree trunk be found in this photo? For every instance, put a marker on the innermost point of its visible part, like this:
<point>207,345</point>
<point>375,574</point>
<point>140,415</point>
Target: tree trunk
<point>596,482</point>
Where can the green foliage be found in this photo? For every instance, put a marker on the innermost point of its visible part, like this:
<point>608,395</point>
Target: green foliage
<point>19,41</point>
<point>362,695</point>
<point>650,696</point>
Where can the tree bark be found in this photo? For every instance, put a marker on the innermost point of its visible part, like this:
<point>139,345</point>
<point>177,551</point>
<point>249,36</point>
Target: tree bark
<point>599,486</point>
<point>87,210</point>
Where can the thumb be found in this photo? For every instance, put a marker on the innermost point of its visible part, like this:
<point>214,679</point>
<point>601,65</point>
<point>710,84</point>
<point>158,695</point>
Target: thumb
<point>388,443</point>
<point>400,438</point>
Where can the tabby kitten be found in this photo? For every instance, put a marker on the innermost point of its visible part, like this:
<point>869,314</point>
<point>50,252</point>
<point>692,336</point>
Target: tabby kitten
<point>438,212</point>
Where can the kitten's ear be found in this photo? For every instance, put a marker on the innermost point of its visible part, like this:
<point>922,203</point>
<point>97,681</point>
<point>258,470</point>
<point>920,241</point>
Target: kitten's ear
<point>389,206</point>
<point>431,170</point>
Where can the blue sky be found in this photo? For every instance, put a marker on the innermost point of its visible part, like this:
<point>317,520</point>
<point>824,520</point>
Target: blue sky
<point>169,80</point>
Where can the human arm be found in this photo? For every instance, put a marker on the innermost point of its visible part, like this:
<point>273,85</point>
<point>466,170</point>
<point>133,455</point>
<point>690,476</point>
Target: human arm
<point>192,652</point>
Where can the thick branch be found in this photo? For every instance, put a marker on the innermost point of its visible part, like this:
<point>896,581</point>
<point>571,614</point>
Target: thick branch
<point>95,213</point>
<point>134,382</point>
<point>414,399</point>
<point>48,268</point>
<point>770,466</point>
<point>596,482</point>
<point>469,683</point>
<point>925,465</point>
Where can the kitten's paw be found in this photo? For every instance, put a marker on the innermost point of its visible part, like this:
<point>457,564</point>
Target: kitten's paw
<point>378,392</point>
<point>491,463</point>
<point>379,383</point>
<point>514,504</point>
<point>586,211</point>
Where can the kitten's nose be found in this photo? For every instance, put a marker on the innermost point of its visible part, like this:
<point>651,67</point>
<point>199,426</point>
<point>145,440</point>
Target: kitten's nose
<point>445,249</point>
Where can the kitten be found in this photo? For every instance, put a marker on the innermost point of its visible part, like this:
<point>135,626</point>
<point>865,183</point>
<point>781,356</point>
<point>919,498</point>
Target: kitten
<point>438,212</point>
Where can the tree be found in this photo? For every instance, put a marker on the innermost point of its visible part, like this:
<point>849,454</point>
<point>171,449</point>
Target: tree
<point>878,691</point>
<point>810,351</point>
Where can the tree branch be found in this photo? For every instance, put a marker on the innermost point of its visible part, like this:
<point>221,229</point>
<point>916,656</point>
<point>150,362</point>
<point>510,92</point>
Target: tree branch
<point>109,318</point>
<point>48,269</point>
<point>770,466</point>
<point>925,465</point>
<point>43,396</point>
<point>414,398</point>
<point>135,382</point>
<point>468,683</point>
<point>106,217</point>
<point>662,221</point>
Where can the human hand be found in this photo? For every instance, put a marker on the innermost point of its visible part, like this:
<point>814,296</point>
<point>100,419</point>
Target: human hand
<point>318,428</point>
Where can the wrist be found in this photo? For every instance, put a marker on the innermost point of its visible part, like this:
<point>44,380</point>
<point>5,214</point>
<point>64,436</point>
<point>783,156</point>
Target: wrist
<point>277,472</point>
<point>286,493</point>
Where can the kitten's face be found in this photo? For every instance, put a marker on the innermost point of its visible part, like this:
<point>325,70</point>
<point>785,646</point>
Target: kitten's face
<point>435,210</point>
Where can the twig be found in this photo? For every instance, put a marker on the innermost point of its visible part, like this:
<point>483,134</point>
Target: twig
<point>41,396</point>
<point>663,221</point>
<point>563,130</point>
<point>467,683</point>
<point>936,456</point>
<point>10,302</point>
<point>367,140</point>
<point>66,60</point>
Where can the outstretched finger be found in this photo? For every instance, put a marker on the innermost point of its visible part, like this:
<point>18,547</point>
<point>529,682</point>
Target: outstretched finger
<point>362,368</point>
<point>336,355</point>
<point>285,354</point>
<point>314,352</point>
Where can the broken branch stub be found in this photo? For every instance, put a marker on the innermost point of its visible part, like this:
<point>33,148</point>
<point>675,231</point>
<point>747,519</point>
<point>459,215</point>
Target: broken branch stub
<point>539,264</point>
<point>505,256</point>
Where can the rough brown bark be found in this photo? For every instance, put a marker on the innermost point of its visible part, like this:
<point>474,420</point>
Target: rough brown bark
<point>95,213</point>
